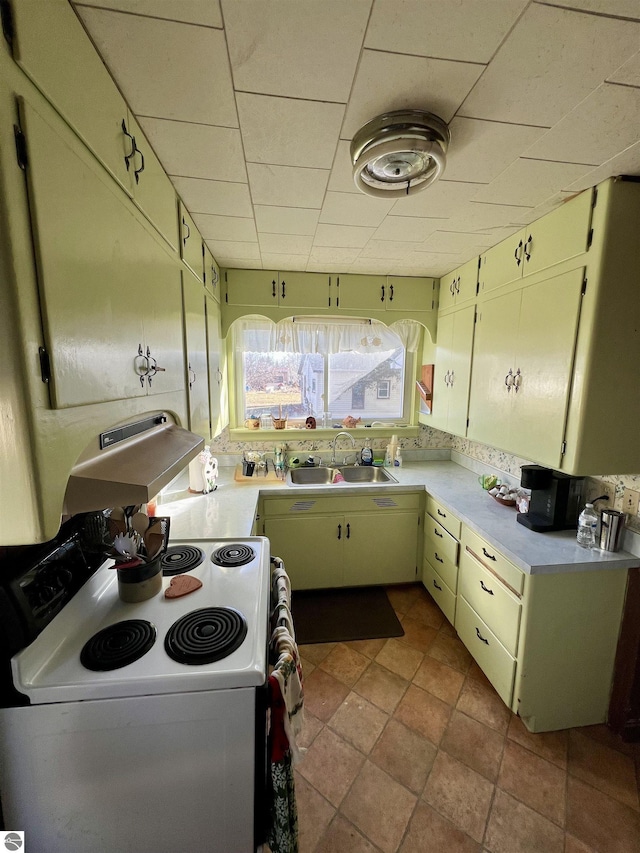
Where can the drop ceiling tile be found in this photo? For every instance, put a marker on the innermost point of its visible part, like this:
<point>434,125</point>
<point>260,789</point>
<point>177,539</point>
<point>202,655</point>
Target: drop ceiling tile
<point>601,126</point>
<point>289,132</point>
<point>545,207</point>
<point>240,263</point>
<point>618,8</point>
<point>407,228</point>
<point>341,179</point>
<point>352,209</point>
<point>234,228</point>
<point>221,197</point>
<point>629,73</point>
<point>286,220</point>
<point>468,30</point>
<point>392,249</point>
<point>439,201</point>
<point>371,266</point>
<point>482,217</point>
<point>197,150</point>
<point>552,59</point>
<point>332,255</point>
<point>232,249</point>
<point>625,163</point>
<point>529,182</point>
<point>457,242</point>
<point>437,263</point>
<point>283,261</point>
<point>343,236</point>
<point>304,49</point>
<point>148,59</point>
<point>205,12</point>
<point>287,186</point>
<point>314,266</point>
<point>391,81</point>
<point>285,244</point>
<point>480,150</point>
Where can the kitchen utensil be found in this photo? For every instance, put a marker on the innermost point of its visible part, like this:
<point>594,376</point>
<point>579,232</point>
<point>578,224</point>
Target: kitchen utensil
<point>156,536</point>
<point>140,522</point>
<point>248,468</point>
<point>181,585</point>
<point>125,545</point>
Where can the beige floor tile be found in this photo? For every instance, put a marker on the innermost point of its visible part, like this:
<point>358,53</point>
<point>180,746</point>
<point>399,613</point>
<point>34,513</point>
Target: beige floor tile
<point>475,744</point>
<point>323,694</point>
<point>515,828</point>
<point>307,666</point>
<point>427,611</point>
<point>382,687</point>
<point>429,832</point>
<point>572,845</point>
<point>424,713</point>
<point>603,734</point>
<point>359,722</point>
<point>477,674</point>
<point>314,814</point>
<point>379,807</point>
<point>345,664</point>
<point>403,596</point>
<point>447,629</point>
<point>604,768</point>
<point>316,652</point>
<point>459,794</point>
<point>438,678</point>
<point>535,781</point>
<point>599,821</point>
<point>451,651</point>
<point>483,704</point>
<point>405,755</point>
<point>368,648</point>
<point>311,728</point>
<point>343,837</point>
<point>331,765</point>
<point>416,634</point>
<point>554,746</point>
<point>399,658</point>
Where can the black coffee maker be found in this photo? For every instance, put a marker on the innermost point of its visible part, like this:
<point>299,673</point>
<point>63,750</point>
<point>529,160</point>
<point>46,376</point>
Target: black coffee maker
<point>556,499</point>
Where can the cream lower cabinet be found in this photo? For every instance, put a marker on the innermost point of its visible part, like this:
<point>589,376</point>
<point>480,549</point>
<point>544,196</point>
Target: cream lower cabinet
<point>453,371</point>
<point>440,562</point>
<point>345,541</point>
<point>547,642</point>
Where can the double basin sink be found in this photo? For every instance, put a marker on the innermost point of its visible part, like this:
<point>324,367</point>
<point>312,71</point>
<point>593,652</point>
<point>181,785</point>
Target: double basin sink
<point>323,475</point>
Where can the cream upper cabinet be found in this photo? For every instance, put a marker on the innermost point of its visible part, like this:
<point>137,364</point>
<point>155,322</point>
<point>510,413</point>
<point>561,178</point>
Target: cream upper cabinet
<point>217,369</point>
<point>309,290</point>
<point>459,286</point>
<point>211,275</point>
<point>522,367</point>
<point>562,234</point>
<point>195,333</point>
<point>191,245</point>
<point>409,293</point>
<point>385,293</point>
<point>452,373</point>
<point>271,289</point>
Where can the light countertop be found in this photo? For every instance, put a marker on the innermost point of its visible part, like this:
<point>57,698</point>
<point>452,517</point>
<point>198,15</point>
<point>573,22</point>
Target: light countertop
<point>231,509</point>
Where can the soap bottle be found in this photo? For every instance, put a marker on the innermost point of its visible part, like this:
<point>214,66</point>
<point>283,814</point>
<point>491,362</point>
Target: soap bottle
<point>397,461</point>
<point>366,454</point>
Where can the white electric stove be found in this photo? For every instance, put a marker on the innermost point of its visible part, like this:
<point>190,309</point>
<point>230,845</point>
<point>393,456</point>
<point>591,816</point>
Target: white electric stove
<point>146,728</point>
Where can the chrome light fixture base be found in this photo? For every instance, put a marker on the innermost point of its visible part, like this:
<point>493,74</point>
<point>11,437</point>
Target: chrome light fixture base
<point>399,153</point>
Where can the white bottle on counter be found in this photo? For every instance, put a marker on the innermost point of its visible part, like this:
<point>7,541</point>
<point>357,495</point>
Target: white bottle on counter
<point>587,526</point>
<point>397,460</point>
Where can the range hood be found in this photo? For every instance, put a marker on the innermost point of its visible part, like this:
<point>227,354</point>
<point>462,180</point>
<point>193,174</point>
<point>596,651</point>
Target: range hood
<point>130,464</point>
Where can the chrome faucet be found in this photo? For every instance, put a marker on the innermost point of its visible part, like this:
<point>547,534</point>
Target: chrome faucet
<point>333,444</point>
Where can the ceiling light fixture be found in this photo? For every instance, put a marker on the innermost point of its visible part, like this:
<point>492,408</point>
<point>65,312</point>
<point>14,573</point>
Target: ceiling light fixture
<point>399,153</point>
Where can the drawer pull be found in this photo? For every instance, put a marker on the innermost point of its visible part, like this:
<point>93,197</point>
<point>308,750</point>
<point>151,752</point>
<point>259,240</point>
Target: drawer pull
<point>439,559</point>
<point>480,637</point>
<point>437,587</point>
<point>485,588</point>
<point>438,534</point>
<point>487,554</point>
<point>443,514</point>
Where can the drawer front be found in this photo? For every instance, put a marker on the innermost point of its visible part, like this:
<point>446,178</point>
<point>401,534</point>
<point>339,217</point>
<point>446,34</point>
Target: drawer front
<point>438,536</point>
<point>491,600</point>
<point>312,503</point>
<point>492,657</point>
<point>439,591</point>
<point>438,552</point>
<point>493,559</point>
<point>444,517</point>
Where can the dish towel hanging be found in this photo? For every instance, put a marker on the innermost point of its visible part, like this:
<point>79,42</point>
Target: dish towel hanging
<point>283,829</point>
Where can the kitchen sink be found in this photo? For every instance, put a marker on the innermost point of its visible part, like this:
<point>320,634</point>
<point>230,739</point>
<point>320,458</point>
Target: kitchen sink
<point>322,475</point>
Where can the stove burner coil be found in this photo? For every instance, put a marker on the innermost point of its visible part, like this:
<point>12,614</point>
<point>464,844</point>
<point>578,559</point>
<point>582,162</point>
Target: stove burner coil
<point>206,635</point>
<point>233,555</point>
<point>118,645</point>
<point>181,558</point>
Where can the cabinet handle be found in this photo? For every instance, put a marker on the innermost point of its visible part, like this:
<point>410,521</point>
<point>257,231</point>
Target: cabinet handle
<point>138,172</point>
<point>442,514</point>
<point>487,554</point>
<point>188,234</point>
<point>438,534</point>
<point>144,370</point>
<point>390,293</point>
<point>191,381</point>
<point>529,243</point>
<point>219,375</point>
<point>451,378</point>
<point>339,531</point>
<point>439,559</point>
<point>518,253</point>
<point>382,297</point>
<point>508,379</point>
<point>517,381</point>
<point>436,586</point>
<point>133,145</point>
<point>273,288</point>
<point>452,287</point>
<point>153,367</point>
<point>214,275</point>
<point>480,637</point>
<point>348,531</point>
<point>284,284</point>
<point>458,285</point>
<point>486,588</point>
<point>446,378</point>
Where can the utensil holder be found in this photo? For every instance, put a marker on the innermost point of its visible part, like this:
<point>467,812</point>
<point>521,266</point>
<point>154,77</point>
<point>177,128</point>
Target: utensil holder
<point>140,582</point>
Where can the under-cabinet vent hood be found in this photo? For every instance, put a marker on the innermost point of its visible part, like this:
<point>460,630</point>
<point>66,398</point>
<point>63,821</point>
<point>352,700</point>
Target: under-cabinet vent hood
<point>130,464</point>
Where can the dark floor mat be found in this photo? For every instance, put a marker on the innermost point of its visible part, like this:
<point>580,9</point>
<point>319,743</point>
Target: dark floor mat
<point>340,615</point>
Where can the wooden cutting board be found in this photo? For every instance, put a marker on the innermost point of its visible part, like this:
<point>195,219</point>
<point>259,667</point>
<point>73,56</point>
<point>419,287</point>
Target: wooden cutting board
<point>257,478</point>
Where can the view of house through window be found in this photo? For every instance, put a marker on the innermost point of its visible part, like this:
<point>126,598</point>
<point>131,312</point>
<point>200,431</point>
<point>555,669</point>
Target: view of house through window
<point>367,380</point>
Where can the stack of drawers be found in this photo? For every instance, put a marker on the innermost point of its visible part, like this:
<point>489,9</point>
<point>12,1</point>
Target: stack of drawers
<point>441,549</point>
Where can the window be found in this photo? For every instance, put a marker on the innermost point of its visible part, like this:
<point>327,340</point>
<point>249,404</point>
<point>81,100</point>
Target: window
<point>294,369</point>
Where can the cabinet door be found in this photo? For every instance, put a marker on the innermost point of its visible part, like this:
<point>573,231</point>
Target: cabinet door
<point>251,287</point>
<point>448,290</point>
<point>562,234</point>
<point>191,247</point>
<point>303,290</point>
<point>211,275</point>
<point>502,263</point>
<point>461,347</point>
<point>407,293</point>
<point>442,373</point>
<point>153,192</point>
<point>380,548</point>
<point>195,333</point>
<point>492,371</point>
<point>310,548</point>
<point>214,363</point>
<point>466,286</point>
<point>544,366</point>
<point>362,292</point>
<point>88,259</point>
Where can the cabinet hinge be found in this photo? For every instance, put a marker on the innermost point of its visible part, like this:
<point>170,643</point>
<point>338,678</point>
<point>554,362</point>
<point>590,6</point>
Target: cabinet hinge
<point>563,448</point>
<point>590,238</point>
<point>467,423</point>
<point>594,199</point>
<point>584,285</point>
<point>226,297</point>
<point>21,147</point>
<point>7,21</point>
<point>45,365</point>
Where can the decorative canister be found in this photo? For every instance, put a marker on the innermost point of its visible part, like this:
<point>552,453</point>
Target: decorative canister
<point>140,582</point>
